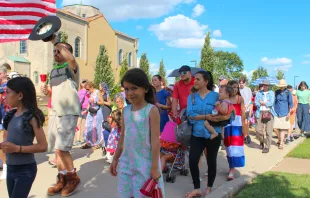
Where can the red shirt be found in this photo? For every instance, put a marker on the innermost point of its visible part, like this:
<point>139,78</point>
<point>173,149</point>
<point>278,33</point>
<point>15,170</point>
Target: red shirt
<point>181,92</point>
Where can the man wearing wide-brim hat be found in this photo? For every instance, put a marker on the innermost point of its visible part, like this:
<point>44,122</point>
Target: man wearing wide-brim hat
<point>264,101</point>
<point>283,105</point>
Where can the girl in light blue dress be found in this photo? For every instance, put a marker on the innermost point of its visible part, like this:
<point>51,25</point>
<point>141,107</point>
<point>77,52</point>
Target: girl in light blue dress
<point>138,149</point>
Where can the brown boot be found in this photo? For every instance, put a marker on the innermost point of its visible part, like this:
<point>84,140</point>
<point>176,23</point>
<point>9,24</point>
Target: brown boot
<point>73,182</point>
<point>61,183</point>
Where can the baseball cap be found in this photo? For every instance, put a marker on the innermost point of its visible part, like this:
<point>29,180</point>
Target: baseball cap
<point>222,77</point>
<point>185,68</point>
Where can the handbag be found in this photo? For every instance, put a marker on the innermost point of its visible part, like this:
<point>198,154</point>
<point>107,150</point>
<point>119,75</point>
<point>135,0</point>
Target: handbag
<point>106,126</point>
<point>183,132</point>
<point>93,110</point>
<point>266,116</point>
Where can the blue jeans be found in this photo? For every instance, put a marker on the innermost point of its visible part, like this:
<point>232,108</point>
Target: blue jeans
<point>19,179</point>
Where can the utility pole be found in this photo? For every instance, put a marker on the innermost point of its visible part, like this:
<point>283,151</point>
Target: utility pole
<point>194,61</point>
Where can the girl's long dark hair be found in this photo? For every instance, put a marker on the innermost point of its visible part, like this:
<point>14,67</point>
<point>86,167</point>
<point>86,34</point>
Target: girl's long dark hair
<point>207,76</point>
<point>303,83</point>
<point>25,86</point>
<point>234,82</point>
<point>138,78</point>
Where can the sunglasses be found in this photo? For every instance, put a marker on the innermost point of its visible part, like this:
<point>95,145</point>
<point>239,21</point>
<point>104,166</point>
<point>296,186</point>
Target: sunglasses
<point>182,73</point>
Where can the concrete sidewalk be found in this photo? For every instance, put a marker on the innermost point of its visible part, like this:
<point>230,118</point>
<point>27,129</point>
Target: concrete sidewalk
<point>97,181</point>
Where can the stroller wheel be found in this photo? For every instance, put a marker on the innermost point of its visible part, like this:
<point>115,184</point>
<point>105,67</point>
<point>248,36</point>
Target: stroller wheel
<point>170,179</point>
<point>184,172</point>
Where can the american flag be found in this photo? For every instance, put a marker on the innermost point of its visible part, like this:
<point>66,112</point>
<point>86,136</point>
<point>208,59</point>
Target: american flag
<point>18,17</point>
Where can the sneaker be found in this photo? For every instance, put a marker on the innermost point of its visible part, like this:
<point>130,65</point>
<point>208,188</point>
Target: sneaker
<point>292,138</point>
<point>3,175</point>
<point>60,184</point>
<point>265,150</point>
<point>248,139</point>
<point>73,182</point>
<point>77,143</point>
<point>287,141</point>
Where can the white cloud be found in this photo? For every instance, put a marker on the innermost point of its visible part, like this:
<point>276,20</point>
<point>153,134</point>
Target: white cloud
<point>198,10</point>
<point>222,44</point>
<point>307,55</point>
<point>305,62</point>
<point>278,63</point>
<point>179,26</point>
<point>283,68</point>
<point>248,74</point>
<point>137,9</point>
<point>139,27</point>
<point>194,43</point>
<point>183,32</point>
<point>217,33</point>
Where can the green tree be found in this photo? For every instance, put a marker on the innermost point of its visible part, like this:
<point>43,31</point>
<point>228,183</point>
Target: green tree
<point>162,70</point>
<point>145,65</point>
<point>259,72</point>
<point>64,37</point>
<point>228,63</point>
<point>124,68</point>
<point>207,61</point>
<point>103,70</point>
<point>280,74</point>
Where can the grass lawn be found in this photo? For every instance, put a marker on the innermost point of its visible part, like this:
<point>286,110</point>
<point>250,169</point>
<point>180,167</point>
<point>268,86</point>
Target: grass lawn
<point>301,151</point>
<point>277,185</point>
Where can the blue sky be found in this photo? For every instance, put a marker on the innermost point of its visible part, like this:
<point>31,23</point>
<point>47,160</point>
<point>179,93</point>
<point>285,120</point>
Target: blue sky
<point>274,34</point>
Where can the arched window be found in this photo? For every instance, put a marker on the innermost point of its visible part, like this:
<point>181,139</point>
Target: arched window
<point>129,59</point>
<point>77,47</point>
<point>36,77</point>
<point>58,37</point>
<point>120,56</point>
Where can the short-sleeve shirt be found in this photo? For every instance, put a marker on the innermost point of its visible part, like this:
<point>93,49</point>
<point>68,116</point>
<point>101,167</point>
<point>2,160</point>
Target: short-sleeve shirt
<point>303,96</point>
<point>246,94</point>
<point>181,92</point>
<point>64,83</point>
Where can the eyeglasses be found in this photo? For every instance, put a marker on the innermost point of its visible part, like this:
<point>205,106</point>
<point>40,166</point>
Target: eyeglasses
<point>182,73</point>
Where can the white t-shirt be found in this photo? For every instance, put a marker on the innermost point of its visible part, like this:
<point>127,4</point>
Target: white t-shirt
<point>246,94</point>
<point>264,108</point>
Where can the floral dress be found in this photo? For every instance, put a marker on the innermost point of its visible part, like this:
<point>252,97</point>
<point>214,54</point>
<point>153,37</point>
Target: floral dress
<point>114,137</point>
<point>136,160</point>
<point>93,130</point>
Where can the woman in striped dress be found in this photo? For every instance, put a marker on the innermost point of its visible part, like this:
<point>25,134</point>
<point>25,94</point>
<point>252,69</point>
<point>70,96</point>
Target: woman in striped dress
<point>233,133</point>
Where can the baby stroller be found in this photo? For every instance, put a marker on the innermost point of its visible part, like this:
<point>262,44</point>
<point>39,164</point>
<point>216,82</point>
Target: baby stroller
<point>169,145</point>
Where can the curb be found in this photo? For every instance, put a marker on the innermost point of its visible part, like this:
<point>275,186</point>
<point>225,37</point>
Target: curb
<point>232,188</point>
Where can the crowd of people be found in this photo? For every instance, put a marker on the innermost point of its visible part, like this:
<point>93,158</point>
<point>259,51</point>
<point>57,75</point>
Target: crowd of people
<point>128,127</point>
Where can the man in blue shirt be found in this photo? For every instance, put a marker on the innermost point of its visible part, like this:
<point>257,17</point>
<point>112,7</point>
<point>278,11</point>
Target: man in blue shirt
<point>283,105</point>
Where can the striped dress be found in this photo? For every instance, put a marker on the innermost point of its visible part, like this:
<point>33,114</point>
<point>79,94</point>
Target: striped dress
<point>234,140</point>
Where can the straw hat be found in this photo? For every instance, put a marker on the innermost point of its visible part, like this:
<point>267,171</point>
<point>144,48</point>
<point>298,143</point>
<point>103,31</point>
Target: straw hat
<point>294,92</point>
<point>282,83</point>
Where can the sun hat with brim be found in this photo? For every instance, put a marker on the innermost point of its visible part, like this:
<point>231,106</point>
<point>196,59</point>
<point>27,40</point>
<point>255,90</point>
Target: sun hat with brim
<point>45,28</point>
<point>282,83</point>
<point>265,82</point>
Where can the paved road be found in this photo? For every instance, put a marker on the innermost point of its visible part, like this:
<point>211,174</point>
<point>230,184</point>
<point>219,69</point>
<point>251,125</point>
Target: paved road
<point>97,182</point>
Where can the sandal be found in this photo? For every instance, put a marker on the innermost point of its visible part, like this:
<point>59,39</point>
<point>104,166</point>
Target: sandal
<point>280,147</point>
<point>192,194</point>
<point>230,177</point>
<point>85,146</point>
<point>97,147</point>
